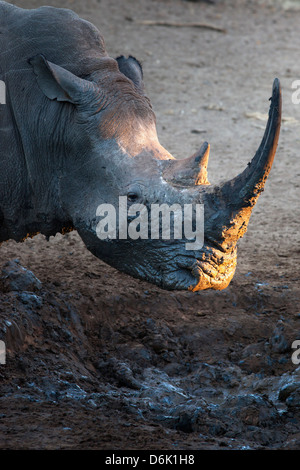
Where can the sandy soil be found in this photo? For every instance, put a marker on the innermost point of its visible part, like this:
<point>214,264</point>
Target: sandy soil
<point>98,360</point>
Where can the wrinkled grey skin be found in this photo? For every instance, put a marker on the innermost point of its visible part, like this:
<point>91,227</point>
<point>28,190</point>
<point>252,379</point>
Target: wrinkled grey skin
<point>78,131</point>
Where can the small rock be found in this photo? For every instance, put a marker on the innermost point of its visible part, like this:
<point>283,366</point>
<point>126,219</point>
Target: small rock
<point>119,371</point>
<point>15,277</point>
<point>288,390</point>
<point>278,341</point>
<point>293,401</point>
<point>30,299</point>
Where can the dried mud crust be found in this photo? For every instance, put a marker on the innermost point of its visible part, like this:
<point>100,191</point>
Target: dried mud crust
<point>99,360</point>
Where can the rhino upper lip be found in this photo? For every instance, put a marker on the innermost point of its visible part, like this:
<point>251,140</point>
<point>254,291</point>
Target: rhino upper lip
<point>213,268</point>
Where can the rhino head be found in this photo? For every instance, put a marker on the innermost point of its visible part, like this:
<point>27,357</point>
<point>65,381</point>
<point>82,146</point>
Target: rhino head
<point>113,155</point>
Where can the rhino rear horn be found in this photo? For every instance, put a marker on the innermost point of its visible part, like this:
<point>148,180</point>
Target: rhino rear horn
<point>189,171</point>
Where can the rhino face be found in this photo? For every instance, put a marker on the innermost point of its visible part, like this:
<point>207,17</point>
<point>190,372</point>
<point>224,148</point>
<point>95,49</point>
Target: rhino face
<point>122,167</point>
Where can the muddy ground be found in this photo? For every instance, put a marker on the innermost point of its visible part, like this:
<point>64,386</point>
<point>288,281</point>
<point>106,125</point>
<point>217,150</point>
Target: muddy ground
<point>98,360</point>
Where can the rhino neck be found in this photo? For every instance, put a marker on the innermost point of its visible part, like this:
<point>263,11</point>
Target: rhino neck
<point>30,215</point>
<point>29,189</point>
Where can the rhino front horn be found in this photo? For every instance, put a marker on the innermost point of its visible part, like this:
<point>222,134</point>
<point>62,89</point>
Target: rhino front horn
<point>241,193</point>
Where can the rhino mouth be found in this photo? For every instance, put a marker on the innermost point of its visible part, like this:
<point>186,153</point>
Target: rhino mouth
<point>209,269</point>
<point>212,270</point>
<point>173,268</point>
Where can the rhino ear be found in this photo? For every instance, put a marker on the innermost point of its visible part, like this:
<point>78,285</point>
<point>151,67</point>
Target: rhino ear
<point>58,83</point>
<point>132,69</point>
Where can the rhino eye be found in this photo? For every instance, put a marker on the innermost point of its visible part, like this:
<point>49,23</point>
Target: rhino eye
<point>132,197</point>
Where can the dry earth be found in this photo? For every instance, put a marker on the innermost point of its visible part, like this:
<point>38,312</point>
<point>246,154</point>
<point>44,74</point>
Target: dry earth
<point>99,360</point>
